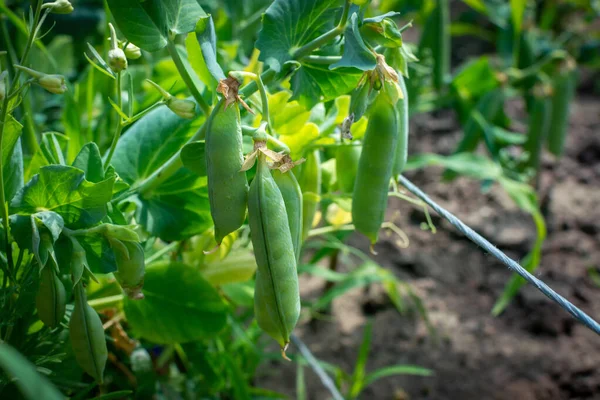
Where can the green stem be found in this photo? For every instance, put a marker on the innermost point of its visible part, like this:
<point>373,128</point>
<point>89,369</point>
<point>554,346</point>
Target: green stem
<point>142,113</point>
<point>322,59</point>
<point>119,129</point>
<point>187,79</point>
<point>162,252</point>
<point>263,94</point>
<point>37,23</point>
<point>3,204</point>
<point>106,302</point>
<point>324,38</point>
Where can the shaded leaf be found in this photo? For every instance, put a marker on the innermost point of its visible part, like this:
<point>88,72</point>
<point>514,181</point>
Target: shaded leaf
<point>179,306</point>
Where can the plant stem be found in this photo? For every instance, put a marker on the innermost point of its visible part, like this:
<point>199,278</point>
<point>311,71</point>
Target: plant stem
<point>324,38</point>
<point>187,78</point>
<point>106,302</point>
<point>119,129</point>
<point>322,59</point>
<point>3,204</point>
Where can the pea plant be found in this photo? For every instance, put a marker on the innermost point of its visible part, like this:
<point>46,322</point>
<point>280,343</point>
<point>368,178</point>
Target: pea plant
<point>153,228</point>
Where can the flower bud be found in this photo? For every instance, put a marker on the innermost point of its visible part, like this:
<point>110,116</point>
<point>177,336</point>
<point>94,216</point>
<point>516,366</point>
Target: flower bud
<point>59,7</point>
<point>116,57</point>
<point>53,83</point>
<point>132,52</point>
<point>183,108</point>
<point>117,60</point>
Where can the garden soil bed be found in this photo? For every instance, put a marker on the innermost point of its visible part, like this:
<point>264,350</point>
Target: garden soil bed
<point>534,350</point>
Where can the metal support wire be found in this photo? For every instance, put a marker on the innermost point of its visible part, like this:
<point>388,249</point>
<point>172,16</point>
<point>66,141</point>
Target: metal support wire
<point>314,364</point>
<point>510,263</point>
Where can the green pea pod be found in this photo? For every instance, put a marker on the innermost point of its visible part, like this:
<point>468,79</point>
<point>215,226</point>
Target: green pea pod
<point>441,43</point>
<point>51,299</point>
<point>375,168</point>
<point>227,185</point>
<point>403,125</point>
<point>292,197</point>
<point>276,293</point>
<point>346,159</point>
<point>87,336</point>
<point>131,268</point>
<point>565,84</point>
<point>539,118</point>
<point>489,107</point>
<point>310,183</point>
<point>359,100</point>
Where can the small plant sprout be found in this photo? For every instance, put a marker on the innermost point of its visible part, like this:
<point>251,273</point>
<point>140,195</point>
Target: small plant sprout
<point>182,107</point>
<point>51,82</point>
<point>116,57</point>
<point>59,7</point>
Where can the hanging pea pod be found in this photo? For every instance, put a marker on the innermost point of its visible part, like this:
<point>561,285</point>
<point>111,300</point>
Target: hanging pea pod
<point>87,336</point>
<point>276,294</point>
<point>375,168</point>
<point>310,183</point>
<point>227,186</point>
<point>403,126</point>
<point>441,43</point>
<point>292,197</point>
<point>131,268</point>
<point>564,84</point>
<point>537,130</point>
<point>51,300</point>
<point>346,159</point>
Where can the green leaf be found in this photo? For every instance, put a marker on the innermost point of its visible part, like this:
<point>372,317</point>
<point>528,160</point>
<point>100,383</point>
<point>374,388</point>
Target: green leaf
<point>238,266</point>
<point>26,231</point>
<point>179,306</point>
<point>64,190</point>
<point>358,375</point>
<point>475,79</point>
<point>396,370</point>
<point>178,208</point>
<point>290,24</point>
<point>89,161</point>
<point>240,293</point>
<point>356,54</point>
<point>149,143</point>
<point>32,385</point>
<point>201,47</point>
<point>472,165</point>
<point>150,24</point>
<point>12,157</point>
<point>314,83</point>
<point>193,157</point>
<point>517,11</point>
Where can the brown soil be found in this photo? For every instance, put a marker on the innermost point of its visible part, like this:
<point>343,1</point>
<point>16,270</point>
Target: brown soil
<point>534,350</point>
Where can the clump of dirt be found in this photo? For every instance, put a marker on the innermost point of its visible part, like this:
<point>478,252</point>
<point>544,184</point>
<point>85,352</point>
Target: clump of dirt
<point>534,350</point>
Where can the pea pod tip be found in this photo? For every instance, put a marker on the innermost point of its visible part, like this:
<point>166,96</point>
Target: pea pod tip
<point>283,355</point>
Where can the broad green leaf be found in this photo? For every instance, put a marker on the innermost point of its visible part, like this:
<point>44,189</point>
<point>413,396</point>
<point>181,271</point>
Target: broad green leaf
<point>301,138</point>
<point>240,293</point>
<point>179,306</point>
<point>238,266</point>
<point>89,161</point>
<point>473,165</point>
<point>178,208</point>
<point>286,116</point>
<point>32,385</point>
<point>356,54</point>
<point>150,24</point>
<point>149,143</point>
<point>475,79</point>
<point>314,83</point>
<point>290,24</point>
<point>517,11</point>
<point>12,157</point>
<point>193,157</point>
<point>64,190</point>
